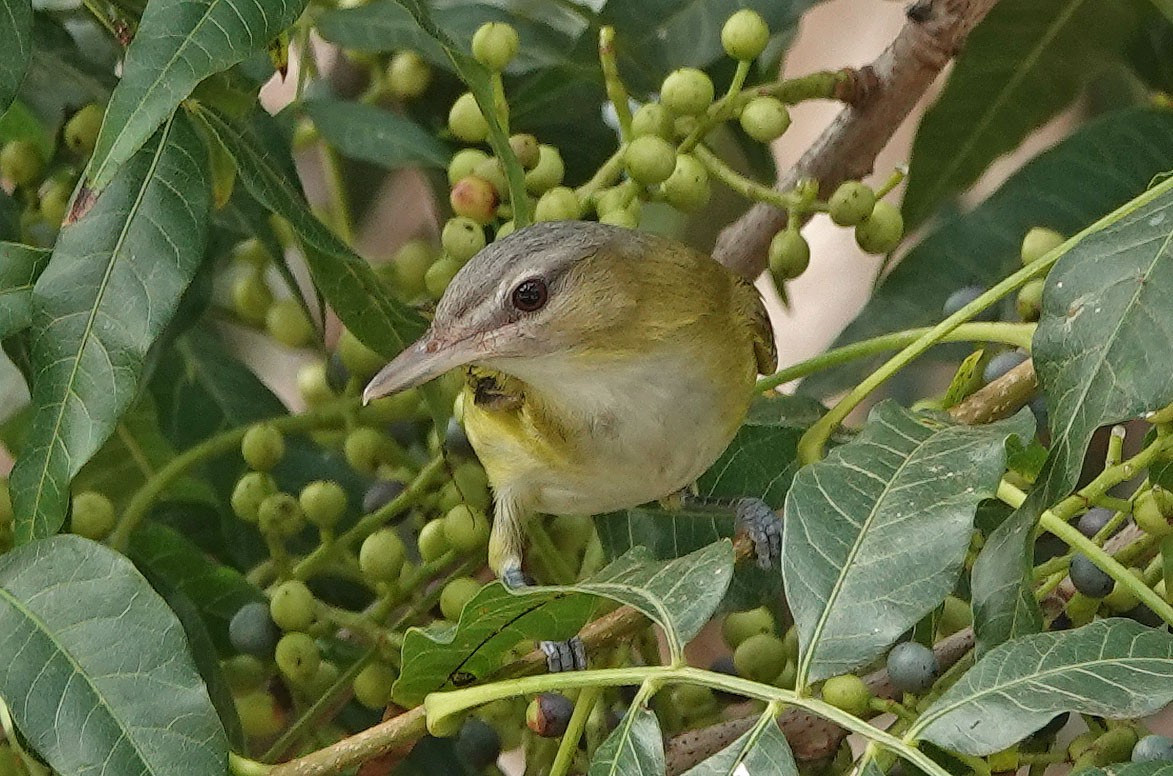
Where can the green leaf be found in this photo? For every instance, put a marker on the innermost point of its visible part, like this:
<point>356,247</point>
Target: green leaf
<point>70,610</point>
<point>62,76</point>
<point>113,282</point>
<point>20,266</point>
<point>1131,769</point>
<point>761,749</point>
<point>1106,319</point>
<point>876,534</point>
<point>382,322</point>
<point>679,595</point>
<point>16,33</point>
<point>217,592</point>
<point>1026,61</point>
<point>1111,668</point>
<point>634,748</point>
<point>965,380</point>
<point>375,135</point>
<point>1099,168</point>
<point>1004,604</point>
<point>492,623</point>
<point>177,44</point>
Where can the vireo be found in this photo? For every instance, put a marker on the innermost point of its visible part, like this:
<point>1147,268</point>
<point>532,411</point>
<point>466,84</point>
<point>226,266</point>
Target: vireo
<point>606,368</point>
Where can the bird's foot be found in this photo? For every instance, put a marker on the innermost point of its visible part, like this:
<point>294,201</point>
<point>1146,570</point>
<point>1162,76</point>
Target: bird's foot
<point>763,526</point>
<point>514,578</point>
<point>569,655</point>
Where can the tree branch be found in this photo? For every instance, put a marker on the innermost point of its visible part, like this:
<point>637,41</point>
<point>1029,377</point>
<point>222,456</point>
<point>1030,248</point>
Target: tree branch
<point>934,33</point>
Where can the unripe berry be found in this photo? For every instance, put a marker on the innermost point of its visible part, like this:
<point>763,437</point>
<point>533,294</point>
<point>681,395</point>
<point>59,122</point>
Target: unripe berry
<point>280,515</point>
<point>440,274</point>
<point>525,148</point>
<point>251,489</point>
<point>54,201</point>
<point>260,714</point>
<point>851,203</point>
<point>360,361</point>
<point>1153,511</point>
<point>464,163</point>
<point>262,447</point>
<point>505,229</point>
<point>789,255</point>
<point>81,131</point>
<point>493,171</point>
<point>650,159</point>
<point>847,692</point>
<point>312,385</point>
<point>765,119</point>
<point>372,686</point>
<point>739,626</point>
<point>292,606</point>
<point>323,502</point>
<point>474,198</point>
<point>687,188</point>
<point>298,657</point>
<point>760,658</point>
<point>547,173</point>
<point>244,673</point>
<point>495,44</point>
<point>409,265</point>
<point>465,528</point>
<point>745,35</point>
<point>558,204</point>
<point>1029,303</point>
<point>408,75</point>
<point>462,238</point>
<point>456,593</point>
<point>880,232</point>
<point>381,556</point>
<point>92,515</point>
<point>465,120</point>
<point>687,91</point>
<point>431,541</point>
<point>652,119</point>
<point>251,297</point>
<point>693,701</point>
<point>252,253</point>
<point>366,449</point>
<point>21,162</point>
<point>287,323</point>
<point>1038,242</point>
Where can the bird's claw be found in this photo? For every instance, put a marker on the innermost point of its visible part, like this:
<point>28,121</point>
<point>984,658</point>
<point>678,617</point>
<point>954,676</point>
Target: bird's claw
<point>514,578</point>
<point>569,655</point>
<point>763,525</point>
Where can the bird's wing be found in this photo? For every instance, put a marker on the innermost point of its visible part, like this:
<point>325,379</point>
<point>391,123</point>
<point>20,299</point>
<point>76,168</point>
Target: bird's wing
<point>764,348</point>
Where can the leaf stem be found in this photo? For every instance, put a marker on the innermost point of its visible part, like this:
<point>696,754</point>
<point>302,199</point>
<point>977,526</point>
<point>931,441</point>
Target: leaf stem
<point>750,189</point>
<point>1018,334</point>
<point>616,91</point>
<point>568,746</point>
<point>242,766</point>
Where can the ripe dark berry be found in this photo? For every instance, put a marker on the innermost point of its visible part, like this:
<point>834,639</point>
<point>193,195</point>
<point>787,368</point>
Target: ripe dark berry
<point>478,744</point>
<point>963,296</point>
<point>1092,521</point>
<point>549,714</point>
<point>1001,364</point>
<point>1088,578</point>
<point>251,631</point>
<point>912,667</point>
<point>1153,749</point>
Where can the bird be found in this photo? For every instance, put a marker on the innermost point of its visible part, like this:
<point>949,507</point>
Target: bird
<point>605,368</point>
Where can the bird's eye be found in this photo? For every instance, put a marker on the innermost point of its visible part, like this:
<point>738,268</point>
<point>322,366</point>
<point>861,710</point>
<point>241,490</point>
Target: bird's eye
<point>530,295</point>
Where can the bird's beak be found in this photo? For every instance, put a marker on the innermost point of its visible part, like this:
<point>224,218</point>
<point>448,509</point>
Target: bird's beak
<point>428,358</point>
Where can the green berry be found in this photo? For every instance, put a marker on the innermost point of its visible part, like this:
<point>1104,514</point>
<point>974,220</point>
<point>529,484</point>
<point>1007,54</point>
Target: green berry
<point>627,217</point>
<point>464,163</point>
<point>432,542</point>
<point>251,630</point>
<point>1030,300</point>
<point>525,148</point>
<point>323,502</point>
<point>287,323</point>
<point>409,265</point>
<point>55,201</point>
<point>650,159</point>
<point>851,203</point>
<point>92,516</point>
<point>312,384</point>
<point>955,615</point>
<point>280,515</point>
<point>652,119</point>
<point>260,715</point>
<point>687,188</point>
<point>462,238</point>
<point>1122,599</point>
<point>298,657</point>
<point>248,494</point>
<point>548,715</point>
<point>381,556</point>
<point>693,701</point>
<point>408,75</point>
<point>687,91</point>
<point>466,529</point>
<point>262,447</point>
<point>372,686</point>
<point>760,658</point>
<point>244,673</point>
<point>745,35</point>
<point>1038,242</point>
<point>880,232</point>
<point>251,297</point>
<point>251,253</point>
<point>505,229</point>
<point>465,120</point>
<point>456,594</point>
<point>1153,511</point>
<point>739,626</point>
<point>292,606</point>
<point>912,667</point>
<point>81,131</point>
<point>440,274</point>
<point>847,692</point>
<point>493,171</point>
<point>558,204</point>
<point>474,198</point>
<point>361,361</point>
<point>612,199</point>
<point>765,119</point>
<point>789,255</point>
<point>21,162</point>
<point>547,173</point>
<point>495,44</point>
<point>366,449</point>
<point>324,678</point>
